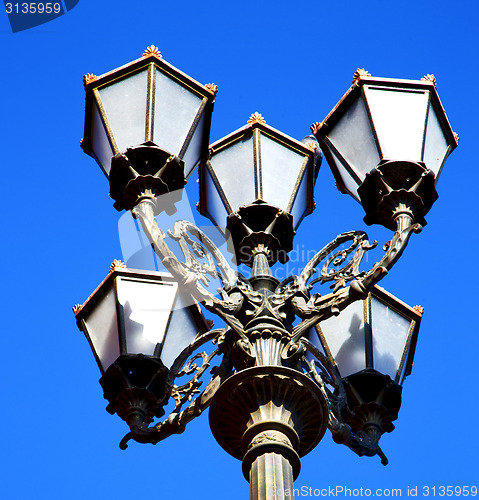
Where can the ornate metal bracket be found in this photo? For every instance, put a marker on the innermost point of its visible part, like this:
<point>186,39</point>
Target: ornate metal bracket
<point>202,261</point>
<point>259,313</point>
<point>318,308</point>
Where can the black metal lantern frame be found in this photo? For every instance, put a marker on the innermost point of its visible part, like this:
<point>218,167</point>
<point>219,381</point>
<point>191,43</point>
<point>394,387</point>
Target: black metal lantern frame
<point>275,391</point>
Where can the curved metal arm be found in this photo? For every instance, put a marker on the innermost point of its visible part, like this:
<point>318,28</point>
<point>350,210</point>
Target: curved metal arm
<point>349,271</point>
<point>319,308</point>
<point>193,274</point>
<point>176,422</point>
<point>342,434</point>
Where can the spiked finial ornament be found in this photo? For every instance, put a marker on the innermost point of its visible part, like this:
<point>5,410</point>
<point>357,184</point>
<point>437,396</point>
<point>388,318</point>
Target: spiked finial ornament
<point>256,118</point>
<point>429,78</point>
<point>152,51</point>
<point>360,73</point>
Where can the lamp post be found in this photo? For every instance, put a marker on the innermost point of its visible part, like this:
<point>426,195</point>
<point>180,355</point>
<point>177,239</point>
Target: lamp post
<point>291,363</point>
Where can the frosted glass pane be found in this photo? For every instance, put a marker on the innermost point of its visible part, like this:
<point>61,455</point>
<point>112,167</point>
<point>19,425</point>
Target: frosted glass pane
<point>399,117</point>
<point>193,153</point>
<point>435,148</point>
<point>125,107</point>
<point>175,111</point>
<point>100,144</point>
<point>234,168</point>
<point>102,328</point>
<point>390,332</point>
<point>214,204</point>
<point>146,309</point>
<point>314,338</point>
<point>354,139</point>
<point>181,331</point>
<point>299,204</point>
<point>349,182</point>
<point>280,168</point>
<point>345,337</point>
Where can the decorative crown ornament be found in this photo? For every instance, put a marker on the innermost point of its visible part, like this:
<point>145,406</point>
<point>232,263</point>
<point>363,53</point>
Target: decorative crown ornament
<point>256,118</point>
<point>88,78</point>
<point>212,88</point>
<point>360,73</point>
<point>117,264</point>
<point>315,127</point>
<point>152,51</point>
<point>429,78</point>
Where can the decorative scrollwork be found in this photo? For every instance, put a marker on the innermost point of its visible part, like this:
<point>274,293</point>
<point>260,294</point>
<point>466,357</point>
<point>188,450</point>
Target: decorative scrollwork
<point>202,260</point>
<point>326,376</point>
<point>317,308</point>
<point>340,277</point>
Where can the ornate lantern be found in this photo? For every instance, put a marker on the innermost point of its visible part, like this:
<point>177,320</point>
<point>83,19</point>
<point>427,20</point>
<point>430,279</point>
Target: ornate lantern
<point>153,120</point>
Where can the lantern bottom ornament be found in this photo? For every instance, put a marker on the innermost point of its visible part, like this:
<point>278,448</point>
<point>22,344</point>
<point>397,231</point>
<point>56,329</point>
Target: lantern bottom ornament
<point>134,386</point>
<point>395,187</point>
<point>257,226</point>
<point>146,171</point>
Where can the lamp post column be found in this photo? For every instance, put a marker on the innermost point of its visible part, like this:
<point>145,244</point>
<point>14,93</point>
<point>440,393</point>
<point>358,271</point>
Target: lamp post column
<point>268,414</point>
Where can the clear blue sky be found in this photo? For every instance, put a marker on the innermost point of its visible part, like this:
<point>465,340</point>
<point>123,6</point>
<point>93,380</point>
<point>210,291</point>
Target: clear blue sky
<point>291,61</point>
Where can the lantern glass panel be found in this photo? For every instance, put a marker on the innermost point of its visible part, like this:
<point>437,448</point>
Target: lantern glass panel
<point>193,154</point>
<point>399,117</point>
<point>349,182</point>
<point>102,329</point>
<point>435,146</point>
<point>101,146</point>
<point>299,206</point>
<point>280,169</point>
<point>234,168</point>
<point>354,138</point>
<point>345,337</point>
<point>390,335</point>
<point>124,102</point>
<point>214,204</point>
<point>182,330</point>
<point>175,112</point>
<point>146,311</point>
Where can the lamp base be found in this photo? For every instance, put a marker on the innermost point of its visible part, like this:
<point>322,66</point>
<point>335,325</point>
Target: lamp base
<point>146,171</point>
<point>135,385</point>
<point>394,187</point>
<point>257,226</point>
<point>374,401</point>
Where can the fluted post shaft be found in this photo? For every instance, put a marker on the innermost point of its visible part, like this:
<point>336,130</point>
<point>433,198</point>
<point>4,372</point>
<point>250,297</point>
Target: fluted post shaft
<point>271,478</point>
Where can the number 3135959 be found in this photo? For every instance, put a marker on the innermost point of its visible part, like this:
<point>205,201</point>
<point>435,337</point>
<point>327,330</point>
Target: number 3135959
<point>33,8</point>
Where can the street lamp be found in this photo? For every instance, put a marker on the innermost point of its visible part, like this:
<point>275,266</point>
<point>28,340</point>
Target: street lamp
<point>147,126</point>
<point>387,136</point>
<point>371,346</point>
<point>137,323</point>
<point>269,203</point>
<point>291,362</point>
